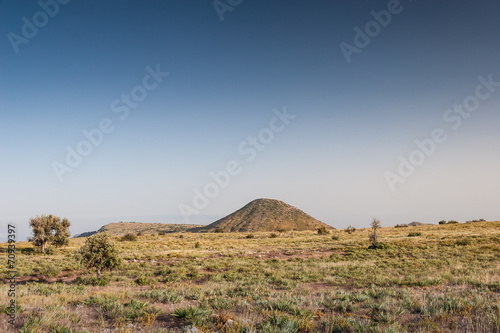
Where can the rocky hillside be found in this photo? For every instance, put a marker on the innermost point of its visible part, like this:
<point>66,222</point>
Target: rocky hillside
<point>264,215</point>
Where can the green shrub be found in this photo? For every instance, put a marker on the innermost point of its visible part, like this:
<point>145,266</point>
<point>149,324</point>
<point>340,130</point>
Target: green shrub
<point>452,222</point>
<point>335,237</point>
<point>219,231</point>
<point>282,230</point>
<point>442,222</point>
<point>401,226</point>
<point>414,234</point>
<point>128,238</point>
<point>273,235</point>
<point>197,245</point>
<point>162,233</point>
<point>249,236</point>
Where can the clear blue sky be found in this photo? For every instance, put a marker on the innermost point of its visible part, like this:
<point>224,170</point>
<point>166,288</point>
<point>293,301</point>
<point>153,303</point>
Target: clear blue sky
<point>353,120</point>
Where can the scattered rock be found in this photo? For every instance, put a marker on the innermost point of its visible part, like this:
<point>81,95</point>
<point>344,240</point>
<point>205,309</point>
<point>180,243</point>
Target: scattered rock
<point>36,308</point>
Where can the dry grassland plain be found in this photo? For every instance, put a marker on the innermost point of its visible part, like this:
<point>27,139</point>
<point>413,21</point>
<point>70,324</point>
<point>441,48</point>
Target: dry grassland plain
<point>432,278</point>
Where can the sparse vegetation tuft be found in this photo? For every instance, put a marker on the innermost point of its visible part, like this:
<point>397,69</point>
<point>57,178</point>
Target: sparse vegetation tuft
<point>128,238</point>
<point>323,231</point>
<point>463,242</point>
<point>479,220</point>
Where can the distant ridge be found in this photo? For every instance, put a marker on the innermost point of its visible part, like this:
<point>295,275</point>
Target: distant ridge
<point>415,223</point>
<point>264,215</point>
<point>85,234</point>
<point>122,228</point>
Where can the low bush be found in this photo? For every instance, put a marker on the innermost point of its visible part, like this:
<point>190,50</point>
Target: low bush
<point>414,234</point>
<point>378,246</point>
<point>128,238</point>
<point>323,231</point>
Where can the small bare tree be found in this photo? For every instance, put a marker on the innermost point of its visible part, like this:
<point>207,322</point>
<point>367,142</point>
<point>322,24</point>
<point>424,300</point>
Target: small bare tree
<point>375,225</point>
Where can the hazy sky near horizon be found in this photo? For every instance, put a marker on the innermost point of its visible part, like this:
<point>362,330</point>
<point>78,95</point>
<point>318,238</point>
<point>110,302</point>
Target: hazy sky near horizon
<point>302,106</point>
